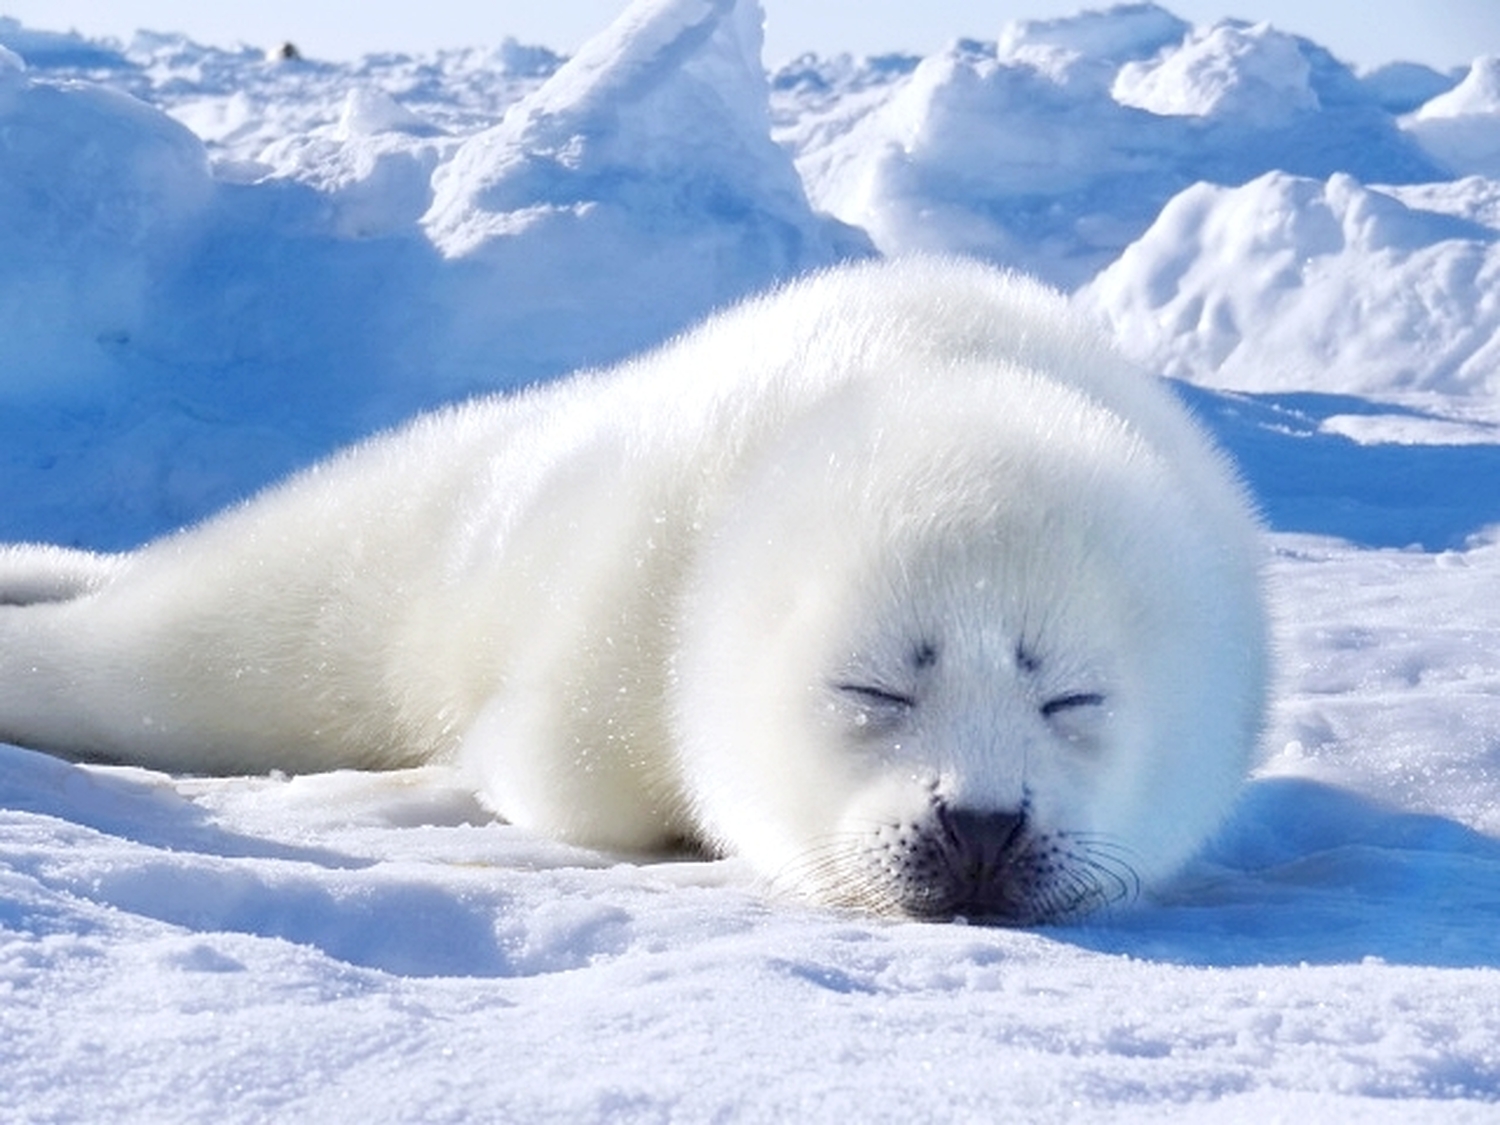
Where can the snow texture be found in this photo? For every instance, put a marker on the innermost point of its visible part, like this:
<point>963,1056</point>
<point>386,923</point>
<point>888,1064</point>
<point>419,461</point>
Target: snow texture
<point>1288,283</point>
<point>216,265</point>
<point>1459,127</point>
<point>239,307</point>
<point>1056,146</point>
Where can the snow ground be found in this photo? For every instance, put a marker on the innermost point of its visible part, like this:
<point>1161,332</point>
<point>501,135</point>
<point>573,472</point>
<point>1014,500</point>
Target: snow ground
<point>371,947</point>
<point>214,267</point>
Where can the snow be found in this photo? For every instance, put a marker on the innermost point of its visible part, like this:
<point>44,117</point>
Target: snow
<point>1256,75</point>
<point>1458,127</point>
<point>1400,87</point>
<point>1055,147</point>
<point>1288,283</point>
<point>217,265</point>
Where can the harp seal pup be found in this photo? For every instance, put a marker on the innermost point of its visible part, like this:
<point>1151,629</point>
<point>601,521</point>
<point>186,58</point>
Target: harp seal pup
<point>896,582</point>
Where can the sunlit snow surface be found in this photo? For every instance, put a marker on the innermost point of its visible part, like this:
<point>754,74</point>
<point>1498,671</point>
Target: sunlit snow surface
<point>255,262</point>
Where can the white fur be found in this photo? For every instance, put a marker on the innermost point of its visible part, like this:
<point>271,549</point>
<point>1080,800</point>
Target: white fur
<point>641,605</point>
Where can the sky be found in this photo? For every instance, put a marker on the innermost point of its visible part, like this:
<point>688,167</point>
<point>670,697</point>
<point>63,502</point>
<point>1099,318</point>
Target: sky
<point>1441,33</point>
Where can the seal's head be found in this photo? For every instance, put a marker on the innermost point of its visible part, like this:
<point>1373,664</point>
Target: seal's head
<point>971,644</point>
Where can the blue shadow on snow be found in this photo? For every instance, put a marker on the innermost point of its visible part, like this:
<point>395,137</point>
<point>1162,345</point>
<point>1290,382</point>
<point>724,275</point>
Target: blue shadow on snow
<point>164,858</point>
<point>1432,496</point>
<point>1308,873</point>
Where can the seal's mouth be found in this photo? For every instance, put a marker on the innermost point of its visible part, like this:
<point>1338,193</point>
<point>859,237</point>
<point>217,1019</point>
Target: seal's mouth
<point>987,866</point>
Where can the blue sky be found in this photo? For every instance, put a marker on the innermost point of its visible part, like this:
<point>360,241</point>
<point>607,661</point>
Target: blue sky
<point>1443,33</point>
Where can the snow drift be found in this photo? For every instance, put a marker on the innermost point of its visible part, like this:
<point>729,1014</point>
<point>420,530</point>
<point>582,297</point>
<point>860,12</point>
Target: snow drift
<point>639,182</point>
<point>1056,146</point>
<point>196,325</point>
<point>1288,283</point>
<point>1460,127</point>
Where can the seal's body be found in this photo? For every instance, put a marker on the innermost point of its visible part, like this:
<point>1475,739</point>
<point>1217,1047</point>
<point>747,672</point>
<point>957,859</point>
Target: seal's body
<point>896,582</point>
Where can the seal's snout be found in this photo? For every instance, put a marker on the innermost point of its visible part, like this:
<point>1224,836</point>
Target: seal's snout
<point>971,862</point>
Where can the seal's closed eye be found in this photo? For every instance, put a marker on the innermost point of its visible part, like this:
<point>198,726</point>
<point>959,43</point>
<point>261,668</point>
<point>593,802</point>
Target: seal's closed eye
<point>1071,701</point>
<point>869,695</point>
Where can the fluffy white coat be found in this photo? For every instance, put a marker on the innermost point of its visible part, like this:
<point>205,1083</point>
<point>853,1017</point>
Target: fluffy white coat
<point>898,570</point>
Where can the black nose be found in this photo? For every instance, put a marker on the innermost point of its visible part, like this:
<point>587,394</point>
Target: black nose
<point>979,843</point>
<point>980,836</point>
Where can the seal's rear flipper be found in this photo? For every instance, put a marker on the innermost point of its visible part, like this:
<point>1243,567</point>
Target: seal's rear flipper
<point>34,573</point>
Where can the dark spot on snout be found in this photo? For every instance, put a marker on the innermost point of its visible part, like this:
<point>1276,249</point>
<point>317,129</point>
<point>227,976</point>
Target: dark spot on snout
<point>924,655</point>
